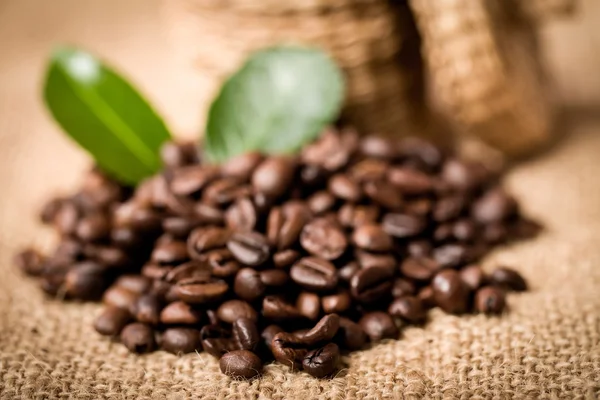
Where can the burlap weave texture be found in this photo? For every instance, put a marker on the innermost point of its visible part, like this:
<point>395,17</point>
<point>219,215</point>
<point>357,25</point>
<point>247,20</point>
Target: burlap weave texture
<point>547,346</point>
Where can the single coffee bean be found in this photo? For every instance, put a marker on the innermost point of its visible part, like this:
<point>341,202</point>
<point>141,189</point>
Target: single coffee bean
<point>232,310</point>
<point>450,292</point>
<point>240,364</point>
<point>245,334</point>
<point>222,263</point>
<point>494,206</point>
<point>472,276</point>
<point>369,170</point>
<point>419,248</point>
<point>119,297</point>
<point>426,297</point>
<point>409,181</point>
<point>343,187</point>
<point>30,261</point>
<point>351,216</point>
<point>336,303</point>
<point>51,209</point>
<point>322,362</point>
<point>198,290</point>
<point>274,224</point>
<point>421,152</point>
<point>403,287</point>
<point>378,325</point>
<point>135,216</point>
<point>269,333</point>
<point>321,202</point>
<point>350,335</point>
<point>346,272</point>
<point>371,284</point>
<point>186,181</point>
<point>314,273</point>
<point>111,321</point>
<point>66,218</point>
<point>420,207</point>
<point>378,147</point>
<point>309,305</point>
<point>204,239</point>
<point>420,269</point>
<point>135,283</point>
<point>331,151</point>
<point>274,278</point>
<point>408,308</point>
<point>323,238</point>
<point>289,349</point>
<point>180,340</point>
<point>372,238</point>
<point>490,300</point>
<point>52,282</point>
<point>248,284</point>
<point>147,309</point>
<point>313,175</point>
<point>249,248</point>
<point>464,230</point>
<point>93,227</point>
<point>180,227</point>
<point>241,215</point>
<point>460,175</point>
<point>224,191</point>
<point>274,175</point>
<point>509,279</point>
<point>323,331</point>
<point>180,313</point>
<point>216,340</point>
<point>285,224</point>
<point>443,233</point>
<point>451,255</point>
<point>109,256</point>
<point>138,338</point>
<point>275,308</point>
<point>285,258</point>
<point>384,194</point>
<point>190,269</point>
<point>449,208</point>
<point>170,253</point>
<point>403,225</point>
<point>208,214</point>
<point>241,166</point>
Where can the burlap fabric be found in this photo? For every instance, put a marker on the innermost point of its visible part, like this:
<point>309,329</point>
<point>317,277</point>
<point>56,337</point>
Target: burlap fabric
<point>547,346</point>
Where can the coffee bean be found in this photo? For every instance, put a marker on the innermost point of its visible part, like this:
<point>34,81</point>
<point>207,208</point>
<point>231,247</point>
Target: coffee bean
<point>369,170</point>
<point>419,248</point>
<point>208,214</point>
<point>450,292</point>
<point>409,181</point>
<point>403,225</point>
<point>346,272</point>
<point>408,308</point>
<point>188,180</point>
<point>490,300</point>
<point>240,364</point>
<point>459,174</point>
<point>509,279</point>
<point>275,308</point>
<point>241,215</point>
<point>170,253</point>
<point>93,227</point>
<point>336,303</point>
<point>52,282</point>
<point>403,287</point>
<point>289,349</point>
<point>249,248</point>
<point>180,340</point>
<point>190,269</point>
<point>494,233</point>
<point>134,216</point>
<point>351,216</point>
<point>426,296</point>
<point>224,191</point>
<point>274,278</point>
<point>449,208</point>
<point>180,227</point>
<point>420,269</point>
<point>241,166</point>
<point>245,334</point>
<point>51,209</point>
<point>425,154</point>
<point>350,335</point>
<point>138,338</point>
<point>109,256</point>
<point>343,187</point>
<point>321,202</point>
<point>180,313</point>
<point>119,297</point>
<point>378,147</point>
<point>472,276</point>
<point>285,258</point>
<point>378,325</point>
<point>451,255</point>
<point>421,207</point>
<point>331,151</point>
<point>323,331</point>
<point>314,273</point>
<point>286,223</point>
<point>111,321</point>
<point>309,305</point>
<point>125,237</point>
<point>324,239</point>
<point>322,362</point>
<point>269,333</point>
<point>134,283</point>
<point>313,175</point>
<point>371,284</point>
<point>66,218</point>
<point>372,238</point>
<point>368,260</point>
<point>216,340</point>
<point>30,261</point>
<point>198,290</point>
<point>495,205</point>
<point>464,230</point>
<point>147,309</point>
<point>248,284</point>
<point>274,175</point>
<point>232,310</point>
<point>202,240</point>
<point>384,194</point>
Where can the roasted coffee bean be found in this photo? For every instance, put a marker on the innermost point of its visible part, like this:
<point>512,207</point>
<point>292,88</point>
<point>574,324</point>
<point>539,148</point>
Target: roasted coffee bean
<point>451,255</point>
<point>410,181</point>
<point>460,175</point>
<point>134,283</point>
<point>147,309</point>
<point>403,225</point>
<point>216,340</point>
<point>125,237</point>
<point>30,261</point>
<point>419,248</point>
<point>408,308</point>
<point>275,308</point>
<point>249,248</point>
<point>51,209</point>
<point>180,227</point>
<point>371,284</point>
<point>472,276</point>
<point>170,253</point>
<point>384,194</point>
<point>224,191</point>
<point>274,278</point>
<point>241,215</point>
<point>322,362</point>
<point>403,287</point>
<point>241,166</point>
<point>309,305</point>
<point>199,290</point>
<point>120,297</point>
<point>248,284</point>
<point>368,260</point>
<point>346,273</point>
<point>208,214</point>
<point>202,240</point>
<point>313,175</point>
<point>314,273</point>
<point>426,297</point>
<point>321,202</point>
<point>450,292</point>
<point>180,340</point>
<point>138,338</point>
<point>331,151</point>
<point>464,230</point>
<point>92,227</point>
<point>289,349</point>
<point>245,334</point>
<point>378,147</point>
<point>269,333</point>
<point>180,313</point>
<point>509,279</point>
<point>323,238</point>
<point>350,335</point>
<point>135,216</point>
<point>85,280</point>
<point>188,180</point>
<point>369,170</point>
<point>53,282</point>
<point>351,216</point>
<point>111,321</point>
<point>240,364</point>
<point>443,233</point>
<point>336,303</point>
<point>378,325</point>
<point>274,175</point>
<point>343,187</point>
<point>286,223</point>
<point>233,310</point>
<point>494,206</point>
<point>190,269</point>
<point>372,238</point>
<point>422,152</point>
<point>108,256</point>
<point>490,300</point>
<point>448,208</point>
<point>420,269</point>
<point>66,218</point>
<point>323,331</point>
<point>222,263</point>
<point>285,258</point>
<point>420,207</point>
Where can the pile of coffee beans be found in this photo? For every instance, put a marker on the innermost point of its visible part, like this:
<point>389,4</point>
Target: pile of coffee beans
<point>295,258</point>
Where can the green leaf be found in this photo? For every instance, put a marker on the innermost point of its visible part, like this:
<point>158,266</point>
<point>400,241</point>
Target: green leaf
<point>102,112</point>
<point>279,100</point>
